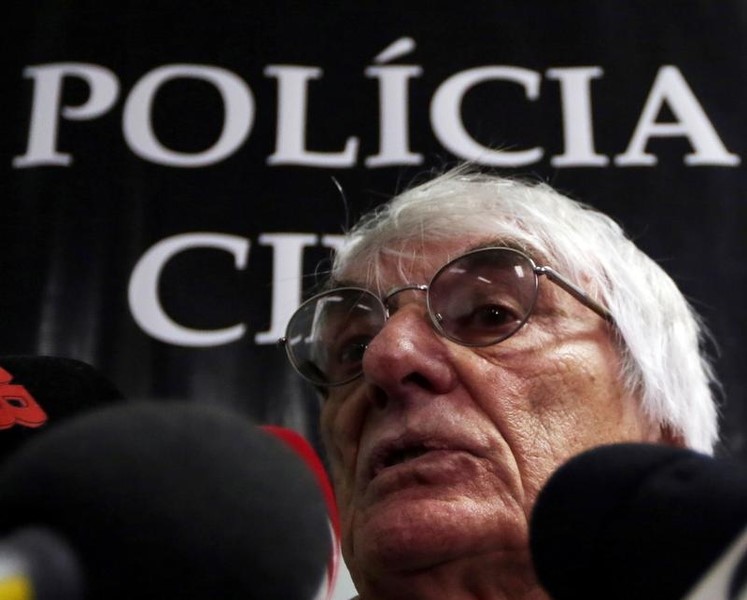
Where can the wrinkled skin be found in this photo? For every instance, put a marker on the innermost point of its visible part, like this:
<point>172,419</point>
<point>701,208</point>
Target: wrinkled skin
<point>494,422</point>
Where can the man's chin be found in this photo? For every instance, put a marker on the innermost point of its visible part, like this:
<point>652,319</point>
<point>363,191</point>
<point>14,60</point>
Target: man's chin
<point>412,534</point>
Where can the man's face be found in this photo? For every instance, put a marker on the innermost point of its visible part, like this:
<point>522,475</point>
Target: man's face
<point>439,450</point>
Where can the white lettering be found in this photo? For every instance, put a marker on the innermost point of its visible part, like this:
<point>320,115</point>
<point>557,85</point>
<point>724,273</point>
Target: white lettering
<point>333,241</point>
<point>290,146</point>
<point>286,279</point>
<point>669,91</point>
<point>42,143</point>
<point>137,125</point>
<point>144,302</point>
<point>446,115</point>
<point>394,145</point>
<point>578,131</point>
<point>671,88</point>
<point>394,126</point>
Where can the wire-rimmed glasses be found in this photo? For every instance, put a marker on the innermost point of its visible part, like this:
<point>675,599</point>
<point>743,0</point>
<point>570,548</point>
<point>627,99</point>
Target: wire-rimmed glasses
<point>477,299</point>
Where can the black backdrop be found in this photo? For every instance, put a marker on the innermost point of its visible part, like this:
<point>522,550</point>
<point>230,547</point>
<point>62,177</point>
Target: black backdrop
<point>187,150</point>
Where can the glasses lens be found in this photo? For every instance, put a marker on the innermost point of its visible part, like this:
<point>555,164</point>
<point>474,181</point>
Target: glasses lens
<point>327,335</point>
<point>483,297</point>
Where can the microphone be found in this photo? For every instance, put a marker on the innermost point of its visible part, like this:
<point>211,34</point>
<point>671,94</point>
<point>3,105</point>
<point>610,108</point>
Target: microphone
<point>639,521</point>
<point>38,392</point>
<point>165,500</point>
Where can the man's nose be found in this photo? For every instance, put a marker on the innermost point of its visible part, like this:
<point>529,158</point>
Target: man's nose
<point>408,358</point>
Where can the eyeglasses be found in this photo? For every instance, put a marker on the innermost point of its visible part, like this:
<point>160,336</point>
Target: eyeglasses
<point>480,298</point>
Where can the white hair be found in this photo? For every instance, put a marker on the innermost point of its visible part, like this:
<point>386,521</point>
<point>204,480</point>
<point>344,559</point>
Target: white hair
<point>661,337</point>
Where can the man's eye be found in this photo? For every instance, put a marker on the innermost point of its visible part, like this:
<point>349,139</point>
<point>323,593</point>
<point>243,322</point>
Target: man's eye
<point>351,351</point>
<point>489,316</point>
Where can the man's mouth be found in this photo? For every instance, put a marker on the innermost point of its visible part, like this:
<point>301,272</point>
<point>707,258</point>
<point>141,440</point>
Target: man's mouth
<point>400,453</point>
<point>399,456</point>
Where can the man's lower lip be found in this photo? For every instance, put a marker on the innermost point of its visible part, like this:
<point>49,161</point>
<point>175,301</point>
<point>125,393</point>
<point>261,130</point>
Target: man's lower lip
<point>432,467</point>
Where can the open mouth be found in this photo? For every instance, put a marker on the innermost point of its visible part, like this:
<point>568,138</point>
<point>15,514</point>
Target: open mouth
<point>399,454</point>
<point>403,455</point>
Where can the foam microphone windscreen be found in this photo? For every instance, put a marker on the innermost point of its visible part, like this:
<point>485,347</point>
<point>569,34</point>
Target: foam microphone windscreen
<point>639,521</point>
<point>173,500</point>
<point>39,392</point>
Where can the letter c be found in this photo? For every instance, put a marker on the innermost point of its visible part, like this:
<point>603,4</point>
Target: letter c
<point>145,305</point>
<point>446,115</point>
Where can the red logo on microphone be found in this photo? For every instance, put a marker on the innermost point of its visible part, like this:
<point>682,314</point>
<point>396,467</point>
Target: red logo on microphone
<point>17,406</point>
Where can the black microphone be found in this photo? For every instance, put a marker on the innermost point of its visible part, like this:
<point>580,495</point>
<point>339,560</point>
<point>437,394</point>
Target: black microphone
<point>639,521</point>
<point>39,392</point>
<point>167,500</point>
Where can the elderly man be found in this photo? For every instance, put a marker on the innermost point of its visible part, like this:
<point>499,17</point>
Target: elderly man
<point>476,333</point>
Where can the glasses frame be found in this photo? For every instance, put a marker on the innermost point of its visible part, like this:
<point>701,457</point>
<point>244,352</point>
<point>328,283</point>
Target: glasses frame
<point>551,274</point>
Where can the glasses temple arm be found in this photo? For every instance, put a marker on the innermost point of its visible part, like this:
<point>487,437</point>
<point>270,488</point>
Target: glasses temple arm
<point>576,292</point>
